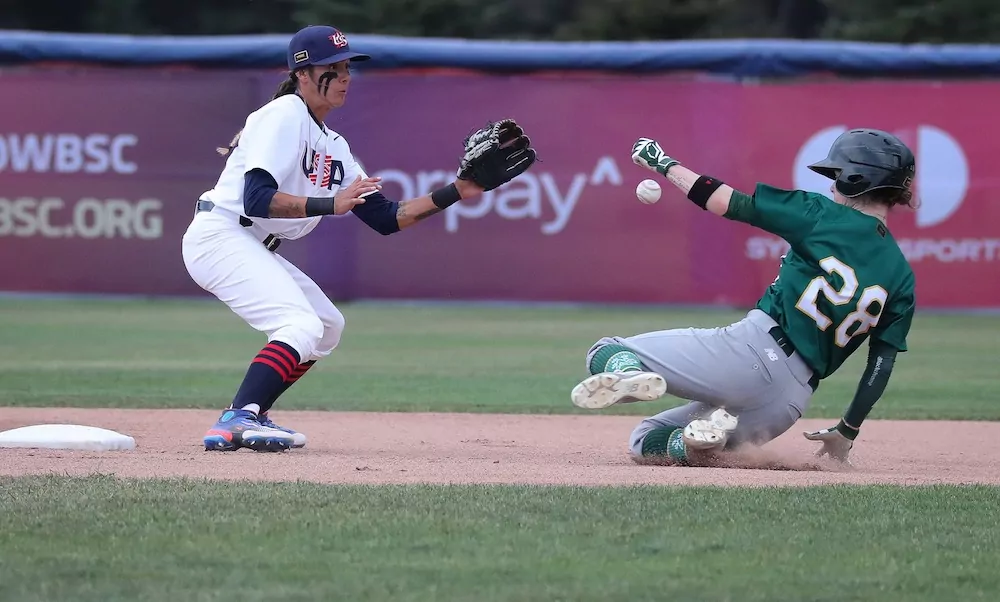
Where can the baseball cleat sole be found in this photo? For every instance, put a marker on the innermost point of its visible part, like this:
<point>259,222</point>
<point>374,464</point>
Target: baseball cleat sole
<point>267,444</point>
<point>217,440</point>
<point>608,388</point>
<point>712,433</point>
<point>298,439</point>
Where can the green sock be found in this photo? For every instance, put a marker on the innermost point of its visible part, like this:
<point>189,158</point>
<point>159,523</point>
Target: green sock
<point>615,358</point>
<point>665,441</point>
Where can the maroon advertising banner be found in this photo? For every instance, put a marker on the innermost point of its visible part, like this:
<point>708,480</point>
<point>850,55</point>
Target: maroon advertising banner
<point>100,170</point>
<point>572,229</point>
<point>98,174</point>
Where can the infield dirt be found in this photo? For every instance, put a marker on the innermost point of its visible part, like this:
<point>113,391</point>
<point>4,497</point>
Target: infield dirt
<point>384,448</point>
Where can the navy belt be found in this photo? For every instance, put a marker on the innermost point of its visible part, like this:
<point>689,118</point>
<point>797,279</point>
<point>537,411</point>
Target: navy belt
<point>779,336</point>
<point>271,242</point>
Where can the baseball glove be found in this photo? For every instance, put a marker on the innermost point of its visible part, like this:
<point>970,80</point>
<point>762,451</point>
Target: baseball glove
<point>496,154</point>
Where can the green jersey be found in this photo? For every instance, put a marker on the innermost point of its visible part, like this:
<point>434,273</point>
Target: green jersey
<point>843,279</point>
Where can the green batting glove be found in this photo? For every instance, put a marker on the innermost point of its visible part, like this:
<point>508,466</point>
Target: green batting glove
<point>647,153</point>
<point>837,441</point>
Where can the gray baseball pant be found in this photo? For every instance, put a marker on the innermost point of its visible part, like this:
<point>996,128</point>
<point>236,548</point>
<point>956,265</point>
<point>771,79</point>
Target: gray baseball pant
<point>739,367</point>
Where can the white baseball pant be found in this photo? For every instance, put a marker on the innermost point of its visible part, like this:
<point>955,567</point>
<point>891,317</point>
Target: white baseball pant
<point>263,288</point>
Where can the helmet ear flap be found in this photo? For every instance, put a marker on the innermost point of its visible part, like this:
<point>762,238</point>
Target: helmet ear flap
<point>848,190</point>
<point>853,185</point>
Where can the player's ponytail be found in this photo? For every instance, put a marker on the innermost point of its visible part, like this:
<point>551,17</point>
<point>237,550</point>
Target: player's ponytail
<point>288,86</point>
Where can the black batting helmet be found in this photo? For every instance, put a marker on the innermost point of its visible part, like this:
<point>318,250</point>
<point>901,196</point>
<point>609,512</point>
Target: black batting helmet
<point>864,159</point>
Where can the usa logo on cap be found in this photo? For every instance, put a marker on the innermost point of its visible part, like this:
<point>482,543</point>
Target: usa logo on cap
<point>320,45</point>
<point>339,39</point>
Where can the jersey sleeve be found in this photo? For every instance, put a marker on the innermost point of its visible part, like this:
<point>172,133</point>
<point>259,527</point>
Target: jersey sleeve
<point>790,214</point>
<point>894,324</point>
<point>271,141</point>
<point>352,169</point>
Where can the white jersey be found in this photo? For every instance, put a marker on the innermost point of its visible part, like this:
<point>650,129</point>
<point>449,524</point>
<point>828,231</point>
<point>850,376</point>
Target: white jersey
<point>304,157</point>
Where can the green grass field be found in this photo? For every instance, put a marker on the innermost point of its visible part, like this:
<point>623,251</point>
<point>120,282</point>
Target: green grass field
<point>192,354</point>
<point>105,539</point>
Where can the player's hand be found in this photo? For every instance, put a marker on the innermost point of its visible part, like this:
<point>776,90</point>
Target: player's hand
<point>647,153</point>
<point>352,196</point>
<point>837,441</point>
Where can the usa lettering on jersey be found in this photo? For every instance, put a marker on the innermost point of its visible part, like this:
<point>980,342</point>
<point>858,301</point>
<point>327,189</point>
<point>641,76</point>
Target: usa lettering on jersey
<point>332,171</point>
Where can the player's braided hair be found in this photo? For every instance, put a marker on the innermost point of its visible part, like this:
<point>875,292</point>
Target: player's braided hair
<point>288,86</point>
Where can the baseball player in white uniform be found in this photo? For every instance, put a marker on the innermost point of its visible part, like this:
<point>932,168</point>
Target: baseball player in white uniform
<point>286,170</point>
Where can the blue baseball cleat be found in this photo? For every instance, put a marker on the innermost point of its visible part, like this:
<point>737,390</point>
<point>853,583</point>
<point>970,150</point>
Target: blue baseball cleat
<point>298,439</point>
<point>240,428</point>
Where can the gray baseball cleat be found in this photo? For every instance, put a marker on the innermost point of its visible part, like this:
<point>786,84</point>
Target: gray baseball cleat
<point>710,434</point>
<point>608,388</point>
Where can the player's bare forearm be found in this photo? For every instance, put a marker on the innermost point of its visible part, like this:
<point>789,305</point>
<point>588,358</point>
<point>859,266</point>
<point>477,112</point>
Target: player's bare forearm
<point>287,206</point>
<point>415,210</point>
<point>683,178</point>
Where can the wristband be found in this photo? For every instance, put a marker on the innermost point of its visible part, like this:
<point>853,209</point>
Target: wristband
<point>703,188</point>
<point>847,430</point>
<point>446,197</point>
<point>319,206</point>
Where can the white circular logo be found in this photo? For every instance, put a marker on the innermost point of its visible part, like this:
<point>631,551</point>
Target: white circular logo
<point>942,171</point>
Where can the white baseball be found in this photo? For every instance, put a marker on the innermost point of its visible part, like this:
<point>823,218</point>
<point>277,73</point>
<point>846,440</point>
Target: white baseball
<point>648,191</point>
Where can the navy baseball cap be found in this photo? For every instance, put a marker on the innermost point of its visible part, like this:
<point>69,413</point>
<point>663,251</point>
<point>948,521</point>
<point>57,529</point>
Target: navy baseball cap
<point>320,45</point>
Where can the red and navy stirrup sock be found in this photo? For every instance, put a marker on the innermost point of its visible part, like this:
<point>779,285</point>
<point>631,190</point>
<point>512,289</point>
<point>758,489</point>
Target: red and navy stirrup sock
<point>291,380</point>
<point>267,376</point>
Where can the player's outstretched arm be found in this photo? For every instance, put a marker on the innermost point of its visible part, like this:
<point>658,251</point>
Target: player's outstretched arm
<point>790,214</point>
<point>706,192</point>
<point>414,210</point>
<point>494,155</point>
<point>388,217</point>
<point>838,440</point>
